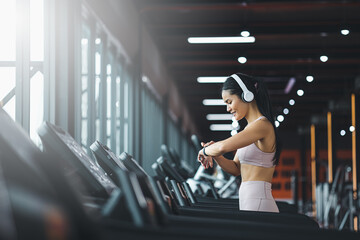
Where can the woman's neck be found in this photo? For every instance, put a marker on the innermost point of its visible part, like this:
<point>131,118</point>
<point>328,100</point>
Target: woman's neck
<point>253,112</point>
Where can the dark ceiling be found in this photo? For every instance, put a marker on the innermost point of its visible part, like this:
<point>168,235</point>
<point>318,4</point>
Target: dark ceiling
<point>290,38</point>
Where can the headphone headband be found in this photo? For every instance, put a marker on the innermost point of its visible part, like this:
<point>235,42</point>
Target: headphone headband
<point>247,95</point>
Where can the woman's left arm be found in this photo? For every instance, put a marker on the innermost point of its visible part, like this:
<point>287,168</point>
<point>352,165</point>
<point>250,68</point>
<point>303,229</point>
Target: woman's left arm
<point>250,134</point>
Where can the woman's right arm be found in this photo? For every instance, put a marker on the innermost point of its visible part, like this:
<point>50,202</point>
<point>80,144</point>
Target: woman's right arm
<point>230,166</point>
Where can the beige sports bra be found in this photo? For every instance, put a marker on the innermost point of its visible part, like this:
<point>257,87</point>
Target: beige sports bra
<point>252,155</point>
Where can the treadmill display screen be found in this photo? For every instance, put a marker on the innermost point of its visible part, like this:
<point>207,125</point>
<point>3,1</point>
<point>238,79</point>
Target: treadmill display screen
<point>87,164</point>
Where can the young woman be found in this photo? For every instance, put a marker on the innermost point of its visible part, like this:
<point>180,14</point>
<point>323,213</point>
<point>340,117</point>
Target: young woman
<point>257,145</point>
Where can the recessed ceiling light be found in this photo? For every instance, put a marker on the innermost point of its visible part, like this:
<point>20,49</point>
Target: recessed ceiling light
<point>245,33</point>
<point>324,58</point>
<point>345,32</point>
<point>242,60</point>
<point>280,118</point>
<point>233,132</point>
<point>300,92</point>
<point>98,41</point>
<point>291,102</point>
<point>286,111</point>
<point>352,128</point>
<point>213,102</point>
<point>211,79</point>
<point>197,40</point>
<point>342,132</point>
<point>309,78</point>
<point>277,124</point>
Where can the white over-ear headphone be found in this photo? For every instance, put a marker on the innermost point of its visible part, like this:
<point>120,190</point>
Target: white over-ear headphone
<point>246,96</point>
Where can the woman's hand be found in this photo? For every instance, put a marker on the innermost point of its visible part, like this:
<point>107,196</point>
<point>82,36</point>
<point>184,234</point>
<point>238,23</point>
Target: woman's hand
<point>207,144</point>
<point>206,161</point>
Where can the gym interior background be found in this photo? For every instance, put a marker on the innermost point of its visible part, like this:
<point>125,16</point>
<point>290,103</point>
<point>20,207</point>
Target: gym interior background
<point>131,75</point>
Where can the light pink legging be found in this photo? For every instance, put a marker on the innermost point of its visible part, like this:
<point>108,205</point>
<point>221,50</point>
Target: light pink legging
<point>256,196</point>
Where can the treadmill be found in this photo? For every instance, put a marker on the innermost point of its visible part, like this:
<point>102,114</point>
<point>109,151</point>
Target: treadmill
<point>107,159</point>
<point>59,143</point>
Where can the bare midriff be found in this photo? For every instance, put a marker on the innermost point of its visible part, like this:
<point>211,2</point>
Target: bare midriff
<point>256,173</point>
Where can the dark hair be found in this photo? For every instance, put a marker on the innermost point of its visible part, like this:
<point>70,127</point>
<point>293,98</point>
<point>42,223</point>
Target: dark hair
<point>258,88</point>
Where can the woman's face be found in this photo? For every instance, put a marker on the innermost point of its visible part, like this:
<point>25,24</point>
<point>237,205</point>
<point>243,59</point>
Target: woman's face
<point>235,105</point>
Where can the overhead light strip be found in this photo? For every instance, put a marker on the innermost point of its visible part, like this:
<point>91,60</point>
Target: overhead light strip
<point>221,127</point>
<point>205,40</point>
<point>211,79</point>
<point>213,102</point>
<point>289,85</point>
<point>214,117</point>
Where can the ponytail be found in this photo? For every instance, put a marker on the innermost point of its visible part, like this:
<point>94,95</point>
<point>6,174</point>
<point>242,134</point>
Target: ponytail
<point>264,104</point>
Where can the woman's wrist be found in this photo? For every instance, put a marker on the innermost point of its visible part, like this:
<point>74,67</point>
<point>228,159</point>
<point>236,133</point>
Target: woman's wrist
<point>205,152</point>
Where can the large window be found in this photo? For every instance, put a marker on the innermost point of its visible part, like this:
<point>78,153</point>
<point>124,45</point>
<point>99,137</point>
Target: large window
<point>8,55</point>
<point>21,62</point>
<point>104,93</point>
<point>59,63</point>
<point>152,129</point>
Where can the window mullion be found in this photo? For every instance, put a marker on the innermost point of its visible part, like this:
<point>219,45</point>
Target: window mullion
<point>49,61</point>
<point>22,90</point>
<point>91,85</point>
<point>103,89</point>
<point>114,73</point>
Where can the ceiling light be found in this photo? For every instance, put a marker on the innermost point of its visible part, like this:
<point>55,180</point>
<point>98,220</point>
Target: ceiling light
<point>280,118</point>
<point>345,32</point>
<point>286,111</point>
<point>300,92</point>
<point>277,124</point>
<point>242,60</point>
<point>213,102</point>
<point>245,34</point>
<point>196,40</point>
<point>309,78</point>
<point>289,85</point>
<point>218,117</point>
<point>324,58</point>
<point>98,41</point>
<point>221,127</point>
<point>233,132</point>
<point>323,34</point>
<point>211,79</point>
<point>352,128</point>
<point>342,132</point>
<point>291,102</point>
<point>145,79</point>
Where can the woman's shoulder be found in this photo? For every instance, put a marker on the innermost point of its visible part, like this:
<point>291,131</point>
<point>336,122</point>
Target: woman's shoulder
<point>261,125</point>
<point>261,121</point>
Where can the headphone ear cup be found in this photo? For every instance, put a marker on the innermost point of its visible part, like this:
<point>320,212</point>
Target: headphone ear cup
<point>243,97</point>
<point>248,97</point>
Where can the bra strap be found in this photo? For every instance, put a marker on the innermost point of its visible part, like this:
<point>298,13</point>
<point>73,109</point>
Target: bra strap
<point>261,117</point>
